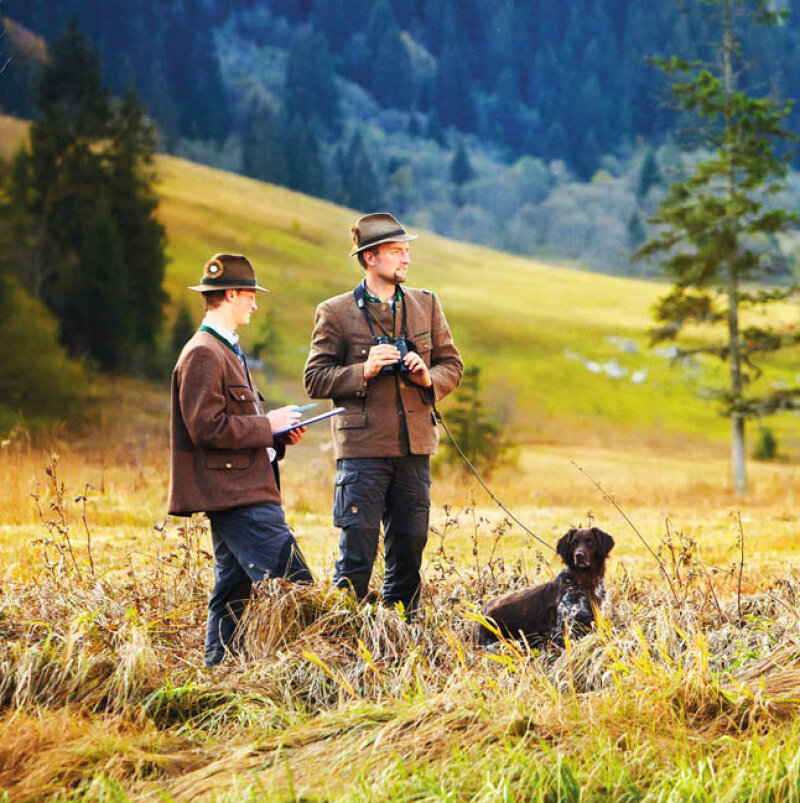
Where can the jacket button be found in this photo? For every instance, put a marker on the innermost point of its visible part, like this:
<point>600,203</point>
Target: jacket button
<point>228,465</point>
<point>242,397</point>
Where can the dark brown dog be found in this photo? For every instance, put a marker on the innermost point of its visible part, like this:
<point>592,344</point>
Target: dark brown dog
<point>541,613</point>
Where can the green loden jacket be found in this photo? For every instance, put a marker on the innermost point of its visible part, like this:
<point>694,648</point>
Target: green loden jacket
<point>388,416</point>
<point>219,434</point>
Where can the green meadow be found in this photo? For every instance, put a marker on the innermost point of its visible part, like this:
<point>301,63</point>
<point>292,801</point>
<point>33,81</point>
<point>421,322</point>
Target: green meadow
<point>525,323</point>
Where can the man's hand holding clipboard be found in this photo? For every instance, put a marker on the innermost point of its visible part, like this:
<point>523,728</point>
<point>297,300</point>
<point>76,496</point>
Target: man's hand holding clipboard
<point>312,420</point>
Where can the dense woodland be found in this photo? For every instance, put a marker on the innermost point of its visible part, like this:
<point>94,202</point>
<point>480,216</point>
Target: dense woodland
<point>490,122</point>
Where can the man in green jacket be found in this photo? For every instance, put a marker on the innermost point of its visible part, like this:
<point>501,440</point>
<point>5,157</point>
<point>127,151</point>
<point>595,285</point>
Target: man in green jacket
<point>384,352</point>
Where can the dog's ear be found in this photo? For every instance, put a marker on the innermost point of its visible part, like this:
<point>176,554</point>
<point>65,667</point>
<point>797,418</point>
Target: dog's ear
<point>563,545</point>
<point>605,542</point>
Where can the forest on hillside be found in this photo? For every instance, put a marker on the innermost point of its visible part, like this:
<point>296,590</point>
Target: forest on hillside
<point>534,126</point>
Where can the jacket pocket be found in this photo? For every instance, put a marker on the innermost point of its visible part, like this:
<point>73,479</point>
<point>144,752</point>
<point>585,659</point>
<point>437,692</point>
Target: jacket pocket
<point>359,352</point>
<point>351,420</point>
<point>242,394</point>
<point>425,349</point>
<point>228,461</point>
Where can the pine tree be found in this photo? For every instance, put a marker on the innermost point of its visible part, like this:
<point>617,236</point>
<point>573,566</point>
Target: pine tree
<point>134,205</point>
<point>460,168</point>
<point>453,90</point>
<point>480,437</point>
<point>649,175</point>
<point>182,329</point>
<point>460,171</point>
<point>311,91</point>
<point>711,224</point>
<point>263,145</point>
<point>304,163</point>
<point>636,232</point>
<point>89,210</point>
<point>360,185</point>
<point>392,81</point>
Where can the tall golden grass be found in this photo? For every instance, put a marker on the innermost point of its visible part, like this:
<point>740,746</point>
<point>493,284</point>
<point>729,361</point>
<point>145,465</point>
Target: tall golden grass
<point>688,688</point>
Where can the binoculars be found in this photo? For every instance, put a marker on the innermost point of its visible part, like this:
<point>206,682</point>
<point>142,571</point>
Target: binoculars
<point>403,346</point>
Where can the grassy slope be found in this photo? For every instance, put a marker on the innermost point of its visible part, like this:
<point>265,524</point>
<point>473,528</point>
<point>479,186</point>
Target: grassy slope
<point>515,317</point>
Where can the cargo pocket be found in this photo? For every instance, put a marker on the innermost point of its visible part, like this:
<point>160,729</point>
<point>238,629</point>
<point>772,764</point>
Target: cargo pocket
<point>422,509</point>
<point>346,510</point>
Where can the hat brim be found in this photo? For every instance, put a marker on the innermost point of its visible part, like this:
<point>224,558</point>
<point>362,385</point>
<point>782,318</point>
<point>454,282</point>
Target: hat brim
<point>207,288</point>
<point>398,238</point>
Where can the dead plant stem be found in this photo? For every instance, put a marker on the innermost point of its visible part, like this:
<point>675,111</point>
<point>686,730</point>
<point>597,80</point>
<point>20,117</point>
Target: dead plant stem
<point>610,499</point>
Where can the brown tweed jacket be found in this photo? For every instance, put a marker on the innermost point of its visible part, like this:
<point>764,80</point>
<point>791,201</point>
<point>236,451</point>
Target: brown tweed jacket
<point>388,416</point>
<point>218,431</point>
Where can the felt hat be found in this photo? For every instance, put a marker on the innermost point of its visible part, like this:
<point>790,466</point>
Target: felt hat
<point>378,228</point>
<point>228,272</point>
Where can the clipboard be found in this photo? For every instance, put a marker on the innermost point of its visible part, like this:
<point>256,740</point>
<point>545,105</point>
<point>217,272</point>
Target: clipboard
<point>312,420</point>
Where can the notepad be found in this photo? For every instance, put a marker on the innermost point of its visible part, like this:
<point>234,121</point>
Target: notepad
<point>312,420</point>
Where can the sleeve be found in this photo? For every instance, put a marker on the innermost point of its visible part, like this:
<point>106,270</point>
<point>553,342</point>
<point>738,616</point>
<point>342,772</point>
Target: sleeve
<point>326,375</point>
<point>447,366</point>
<point>204,403</point>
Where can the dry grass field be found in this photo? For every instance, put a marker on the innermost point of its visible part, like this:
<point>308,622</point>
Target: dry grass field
<point>688,690</point>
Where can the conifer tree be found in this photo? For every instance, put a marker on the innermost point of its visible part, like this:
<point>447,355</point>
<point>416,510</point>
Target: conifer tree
<point>460,172</point>
<point>263,145</point>
<point>649,175</point>
<point>392,77</point>
<point>712,223</point>
<point>460,168</point>
<point>306,173</point>
<point>359,182</point>
<point>182,329</point>
<point>89,210</point>
<point>481,437</point>
<point>311,91</point>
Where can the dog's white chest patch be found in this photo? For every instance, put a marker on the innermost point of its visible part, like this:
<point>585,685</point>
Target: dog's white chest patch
<point>574,608</point>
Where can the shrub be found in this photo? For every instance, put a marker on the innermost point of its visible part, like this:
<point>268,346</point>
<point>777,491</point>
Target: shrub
<point>39,382</point>
<point>766,447</point>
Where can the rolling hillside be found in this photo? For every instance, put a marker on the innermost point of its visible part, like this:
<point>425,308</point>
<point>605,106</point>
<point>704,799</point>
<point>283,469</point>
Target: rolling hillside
<point>563,352</point>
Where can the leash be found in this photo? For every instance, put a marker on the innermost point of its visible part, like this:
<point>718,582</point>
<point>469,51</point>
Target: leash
<point>483,484</point>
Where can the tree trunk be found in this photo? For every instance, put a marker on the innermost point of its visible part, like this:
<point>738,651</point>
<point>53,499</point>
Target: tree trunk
<point>734,355</point>
<point>737,454</point>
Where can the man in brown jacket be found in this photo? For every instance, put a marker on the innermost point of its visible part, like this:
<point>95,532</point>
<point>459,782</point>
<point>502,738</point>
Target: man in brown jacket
<point>224,449</point>
<point>385,354</point>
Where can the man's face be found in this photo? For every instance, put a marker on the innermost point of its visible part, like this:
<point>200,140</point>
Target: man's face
<point>390,263</point>
<point>243,305</point>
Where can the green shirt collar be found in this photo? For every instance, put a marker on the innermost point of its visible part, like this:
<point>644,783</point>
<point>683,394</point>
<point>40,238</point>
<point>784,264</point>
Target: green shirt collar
<point>398,296</point>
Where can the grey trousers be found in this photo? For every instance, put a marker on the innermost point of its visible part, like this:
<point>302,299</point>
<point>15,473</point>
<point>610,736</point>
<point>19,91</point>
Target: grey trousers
<point>395,491</point>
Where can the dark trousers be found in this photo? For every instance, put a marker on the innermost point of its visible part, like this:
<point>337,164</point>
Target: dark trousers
<point>397,492</point>
<point>250,543</point>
